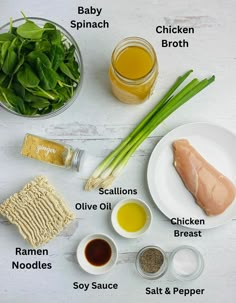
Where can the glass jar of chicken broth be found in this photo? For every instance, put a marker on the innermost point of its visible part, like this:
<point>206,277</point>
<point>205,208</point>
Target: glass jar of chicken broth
<point>133,70</point>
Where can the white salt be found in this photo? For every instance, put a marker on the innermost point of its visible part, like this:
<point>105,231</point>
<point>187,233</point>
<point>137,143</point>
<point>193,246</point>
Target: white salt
<point>185,262</point>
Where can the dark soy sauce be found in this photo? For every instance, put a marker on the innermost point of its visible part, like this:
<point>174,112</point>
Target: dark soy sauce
<point>98,252</point>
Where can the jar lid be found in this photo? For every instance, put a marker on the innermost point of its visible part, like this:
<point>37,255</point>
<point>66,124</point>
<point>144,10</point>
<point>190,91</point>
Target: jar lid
<point>81,160</point>
<point>77,159</point>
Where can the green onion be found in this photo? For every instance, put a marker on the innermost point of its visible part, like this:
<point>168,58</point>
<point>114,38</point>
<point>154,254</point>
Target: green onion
<point>113,164</point>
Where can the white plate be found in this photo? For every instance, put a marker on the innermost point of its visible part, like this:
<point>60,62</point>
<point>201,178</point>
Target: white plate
<point>96,270</point>
<point>217,145</point>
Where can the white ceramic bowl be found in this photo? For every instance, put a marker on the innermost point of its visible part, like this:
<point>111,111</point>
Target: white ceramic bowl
<point>88,267</point>
<point>123,232</point>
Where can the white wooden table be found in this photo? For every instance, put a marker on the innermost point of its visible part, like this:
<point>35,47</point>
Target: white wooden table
<point>96,122</point>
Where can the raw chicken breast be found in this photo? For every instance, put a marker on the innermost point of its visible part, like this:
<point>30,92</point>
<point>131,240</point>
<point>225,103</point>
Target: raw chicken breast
<point>213,191</point>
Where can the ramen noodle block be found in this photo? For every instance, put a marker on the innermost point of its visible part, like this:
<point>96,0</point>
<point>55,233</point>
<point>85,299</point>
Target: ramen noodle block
<point>38,211</point>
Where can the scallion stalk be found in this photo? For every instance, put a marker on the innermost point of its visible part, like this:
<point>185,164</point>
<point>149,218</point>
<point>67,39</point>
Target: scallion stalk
<point>106,162</point>
<point>114,163</point>
<point>107,179</point>
<point>149,127</point>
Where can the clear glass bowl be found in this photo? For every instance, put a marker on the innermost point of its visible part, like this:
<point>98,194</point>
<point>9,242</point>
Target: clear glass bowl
<point>199,267</point>
<point>160,272</point>
<point>78,57</point>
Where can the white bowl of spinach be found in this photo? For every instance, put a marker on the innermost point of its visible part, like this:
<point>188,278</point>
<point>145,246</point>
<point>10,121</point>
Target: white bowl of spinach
<point>40,68</point>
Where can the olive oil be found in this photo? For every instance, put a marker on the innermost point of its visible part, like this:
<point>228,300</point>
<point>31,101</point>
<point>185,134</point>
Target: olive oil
<point>131,216</point>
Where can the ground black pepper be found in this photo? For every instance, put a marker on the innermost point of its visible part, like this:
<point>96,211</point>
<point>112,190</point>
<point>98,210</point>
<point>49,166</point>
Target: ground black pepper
<point>151,260</point>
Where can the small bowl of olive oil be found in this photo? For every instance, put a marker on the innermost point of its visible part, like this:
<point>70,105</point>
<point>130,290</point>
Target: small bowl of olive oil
<point>131,218</point>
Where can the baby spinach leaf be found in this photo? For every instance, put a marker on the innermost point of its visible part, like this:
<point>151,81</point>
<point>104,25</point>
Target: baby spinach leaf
<point>46,110</point>
<point>29,111</point>
<point>5,81</point>
<point>3,76</point>
<point>15,43</point>
<point>41,93</point>
<point>64,93</point>
<point>53,35</point>
<point>4,50</point>
<point>29,30</point>
<point>56,56</point>
<point>49,25</point>
<point>58,105</point>
<point>36,102</point>
<point>10,98</point>
<point>43,46</point>
<point>67,71</point>
<point>19,89</point>
<point>19,49</point>
<point>29,97</point>
<point>1,96</point>
<point>74,66</point>
<point>70,53</point>
<point>28,46</point>
<point>27,77</point>
<point>10,62</point>
<point>33,56</point>
<point>6,37</point>
<point>19,105</point>
<point>48,77</point>
<point>40,103</point>
<point>19,64</point>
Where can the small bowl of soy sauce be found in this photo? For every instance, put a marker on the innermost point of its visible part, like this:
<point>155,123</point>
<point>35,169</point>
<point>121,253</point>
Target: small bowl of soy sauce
<point>97,254</point>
